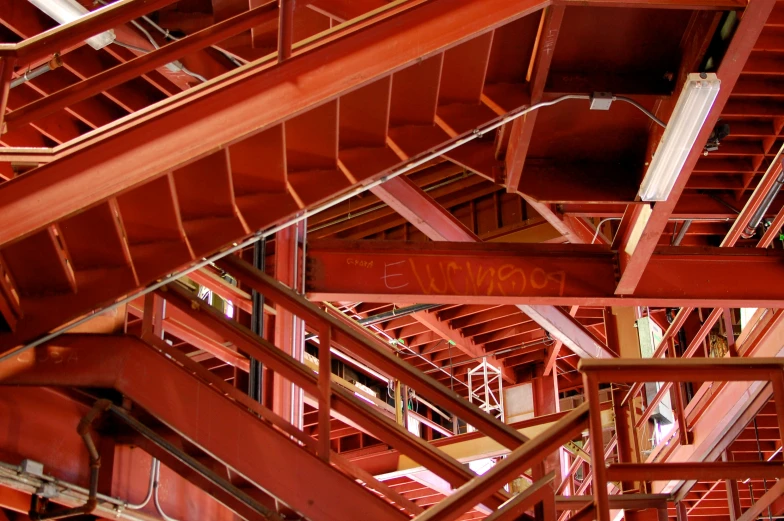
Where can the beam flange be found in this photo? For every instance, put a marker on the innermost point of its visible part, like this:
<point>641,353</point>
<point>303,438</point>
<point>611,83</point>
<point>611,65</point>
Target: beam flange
<point>647,226</point>
<point>176,133</point>
<point>532,274</point>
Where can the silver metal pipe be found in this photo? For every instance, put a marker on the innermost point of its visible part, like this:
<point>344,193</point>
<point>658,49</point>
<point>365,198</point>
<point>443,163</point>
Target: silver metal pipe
<point>52,64</point>
<point>764,205</point>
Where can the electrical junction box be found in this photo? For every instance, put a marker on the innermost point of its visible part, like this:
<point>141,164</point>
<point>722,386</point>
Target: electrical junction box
<point>601,101</point>
<point>32,467</point>
<point>650,335</point>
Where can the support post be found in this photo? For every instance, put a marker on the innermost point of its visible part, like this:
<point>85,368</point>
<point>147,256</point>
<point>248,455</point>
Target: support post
<point>733,494</point>
<point>679,407</point>
<point>398,400</point>
<point>289,331</point>
<point>152,320</point>
<point>599,471</point>
<point>325,391</point>
<point>545,390</point>
<point>6,71</point>
<point>285,29</point>
<point>731,347</point>
<point>257,321</point>
<point>681,511</point>
<point>777,380</point>
<point>622,430</point>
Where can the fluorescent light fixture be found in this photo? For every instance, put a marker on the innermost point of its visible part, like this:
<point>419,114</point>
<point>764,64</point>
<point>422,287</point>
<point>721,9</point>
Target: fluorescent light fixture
<point>690,112</point>
<point>66,11</point>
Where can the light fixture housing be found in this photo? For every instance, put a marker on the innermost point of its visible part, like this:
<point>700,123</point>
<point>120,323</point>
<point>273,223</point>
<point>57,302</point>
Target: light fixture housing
<point>687,119</point>
<point>66,11</point>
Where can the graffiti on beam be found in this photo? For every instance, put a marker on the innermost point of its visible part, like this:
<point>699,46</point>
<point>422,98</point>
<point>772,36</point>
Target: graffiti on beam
<point>465,278</point>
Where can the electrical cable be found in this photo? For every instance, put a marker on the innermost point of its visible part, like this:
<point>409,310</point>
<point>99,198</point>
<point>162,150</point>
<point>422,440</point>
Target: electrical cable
<point>150,490</point>
<point>131,47</point>
<point>155,495</point>
<point>599,226</point>
<point>175,64</point>
<point>236,60</point>
<point>641,108</point>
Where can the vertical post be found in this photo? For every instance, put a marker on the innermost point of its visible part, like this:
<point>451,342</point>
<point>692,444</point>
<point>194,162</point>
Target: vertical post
<point>733,494</point>
<point>545,393</point>
<point>152,319</point>
<point>6,71</point>
<point>636,438</point>
<point>611,327</point>
<point>777,380</point>
<point>599,485</point>
<point>398,399</point>
<point>681,511</point>
<point>257,321</point>
<point>731,347</point>
<point>289,336</point>
<point>622,431</point>
<point>676,393</point>
<point>325,391</point>
<point>285,28</point>
<point>404,396</point>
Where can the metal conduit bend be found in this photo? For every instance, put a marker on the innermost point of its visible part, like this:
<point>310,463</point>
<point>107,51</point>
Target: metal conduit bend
<point>38,507</point>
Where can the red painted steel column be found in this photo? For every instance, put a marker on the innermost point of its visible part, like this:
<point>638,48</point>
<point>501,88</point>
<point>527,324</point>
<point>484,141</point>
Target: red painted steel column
<point>6,71</point>
<point>285,28</point>
<point>649,223</point>
<point>733,494</point>
<point>289,330</point>
<point>545,391</point>
<point>622,433</point>
<point>598,468</point>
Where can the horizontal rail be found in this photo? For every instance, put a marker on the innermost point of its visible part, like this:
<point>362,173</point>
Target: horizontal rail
<point>681,370</point>
<point>700,471</point>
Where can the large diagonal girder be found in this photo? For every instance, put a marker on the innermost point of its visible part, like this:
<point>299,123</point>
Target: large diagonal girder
<point>243,104</point>
<point>232,435</point>
<point>438,224</point>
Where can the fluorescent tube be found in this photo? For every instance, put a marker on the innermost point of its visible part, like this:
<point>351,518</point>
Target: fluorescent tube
<point>66,11</point>
<point>690,112</point>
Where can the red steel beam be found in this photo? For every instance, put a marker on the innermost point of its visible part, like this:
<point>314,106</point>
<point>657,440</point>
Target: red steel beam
<point>66,35</point>
<point>344,402</point>
<point>527,456</point>
<point>438,224</point>
<point>172,394</point>
<point>768,181</point>
<point>464,344</point>
<point>370,350</point>
<point>706,471</point>
<point>523,128</point>
<point>759,506</point>
<point>421,210</point>
<point>649,225</point>
<point>718,415</point>
<point>554,274</point>
<point>773,231</point>
<point>682,370</point>
<point>226,111</point>
<point>139,65</point>
<point>660,4</point>
<point>568,330</point>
